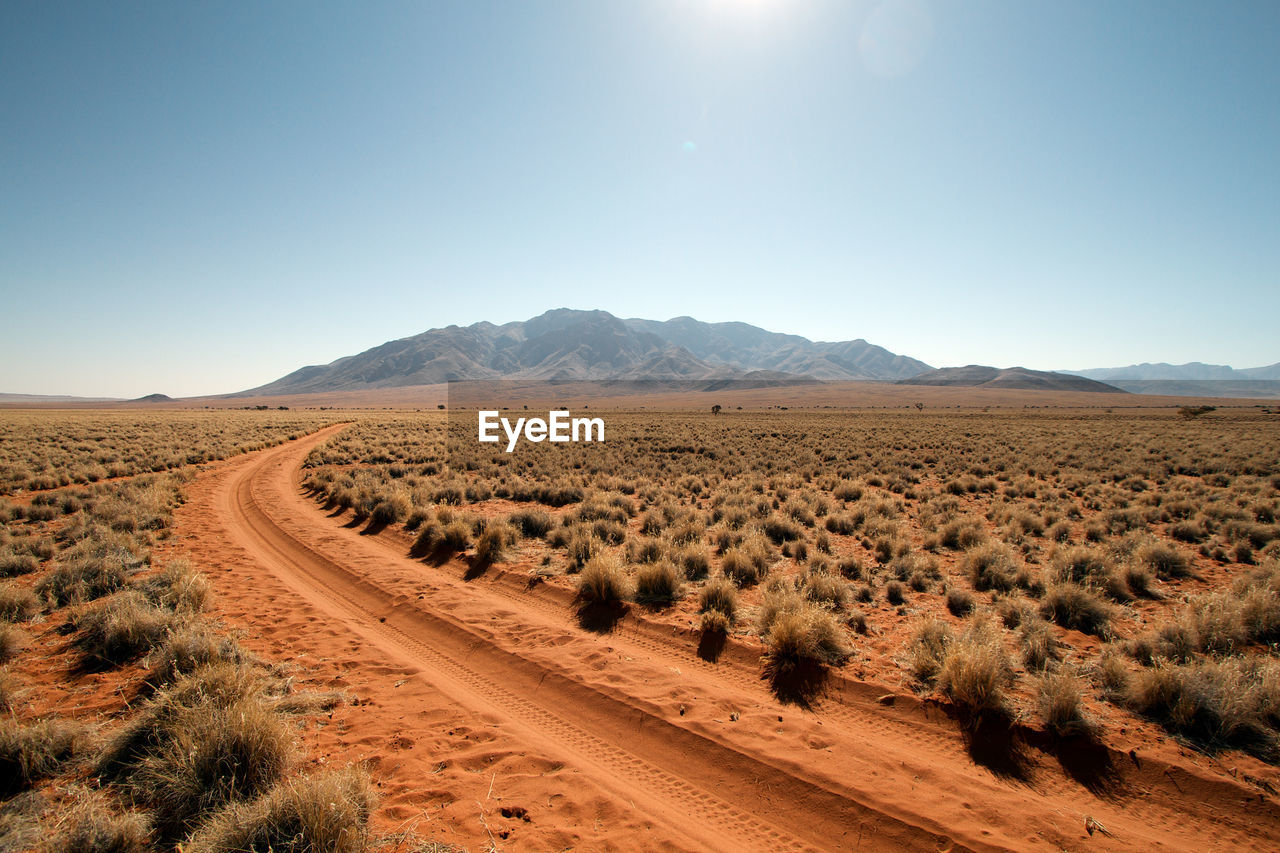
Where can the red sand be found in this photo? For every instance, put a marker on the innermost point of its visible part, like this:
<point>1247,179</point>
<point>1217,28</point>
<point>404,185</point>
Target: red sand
<point>489,717</point>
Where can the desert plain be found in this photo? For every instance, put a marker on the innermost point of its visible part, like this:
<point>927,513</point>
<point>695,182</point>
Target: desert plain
<point>994,620</point>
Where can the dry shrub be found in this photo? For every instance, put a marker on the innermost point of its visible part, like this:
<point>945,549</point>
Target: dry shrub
<point>31,751</point>
<point>1214,703</point>
<point>177,586</point>
<point>1060,700</point>
<point>17,603</point>
<point>187,649</point>
<point>959,601</point>
<point>657,584</point>
<point>1072,606</point>
<point>308,814</point>
<point>721,596</point>
<point>927,649</point>
<point>799,636</point>
<point>991,566</point>
<point>120,629</point>
<point>976,670</point>
<point>895,593</point>
<point>91,825</point>
<point>213,755</point>
<point>602,582</point>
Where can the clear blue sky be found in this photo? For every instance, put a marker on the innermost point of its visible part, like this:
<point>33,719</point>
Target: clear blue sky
<point>200,197</point>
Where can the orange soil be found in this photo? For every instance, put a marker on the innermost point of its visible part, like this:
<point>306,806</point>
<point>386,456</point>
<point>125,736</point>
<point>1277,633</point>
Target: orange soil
<point>490,717</point>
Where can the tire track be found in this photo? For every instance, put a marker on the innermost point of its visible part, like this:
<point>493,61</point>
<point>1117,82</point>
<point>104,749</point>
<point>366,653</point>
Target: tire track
<point>940,742</point>
<point>669,763</point>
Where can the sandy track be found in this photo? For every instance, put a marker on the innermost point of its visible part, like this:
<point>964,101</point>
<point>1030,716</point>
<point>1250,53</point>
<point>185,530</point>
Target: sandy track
<point>644,726</point>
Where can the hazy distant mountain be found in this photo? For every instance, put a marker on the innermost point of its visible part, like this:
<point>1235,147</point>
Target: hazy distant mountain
<point>40,399</point>
<point>1194,370</point>
<point>566,344</point>
<point>741,345</point>
<point>980,376</point>
<point>1261,389</point>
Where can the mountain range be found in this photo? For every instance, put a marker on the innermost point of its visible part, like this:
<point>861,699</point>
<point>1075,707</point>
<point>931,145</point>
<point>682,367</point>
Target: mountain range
<point>565,344</point>
<point>1192,370</point>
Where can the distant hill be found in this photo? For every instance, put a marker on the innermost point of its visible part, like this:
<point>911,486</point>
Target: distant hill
<point>1193,370</point>
<point>1260,389</point>
<point>40,399</point>
<point>565,344</point>
<point>153,398</point>
<point>980,376</point>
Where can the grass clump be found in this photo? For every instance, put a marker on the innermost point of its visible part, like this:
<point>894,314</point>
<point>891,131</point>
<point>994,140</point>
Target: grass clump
<point>91,826</point>
<point>602,582</point>
<point>213,755</point>
<point>657,584</point>
<point>177,586</point>
<point>927,649</point>
<point>991,566</point>
<point>1060,700</point>
<point>797,634</point>
<point>327,812</point>
<point>11,641</point>
<point>1073,606</point>
<point>959,601</point>
<point>976,671</point>
<point>84,580</point>
<point>532,523</point>
<point>492,545</point>
<point>120,629</point>
<point>720,596</point>
<point>31,751</point>
<point>1165,560</point>
<point>187,649</point>
<point>17,603</point>
<point>1213,703</point>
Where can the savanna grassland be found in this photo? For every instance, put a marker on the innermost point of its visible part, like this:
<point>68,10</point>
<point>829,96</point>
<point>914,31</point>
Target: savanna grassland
<point>231,631</point>
<point>133,721</point>
<point>1067,571</point>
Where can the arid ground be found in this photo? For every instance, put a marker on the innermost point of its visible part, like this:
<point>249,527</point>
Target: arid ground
<point>747,631</point>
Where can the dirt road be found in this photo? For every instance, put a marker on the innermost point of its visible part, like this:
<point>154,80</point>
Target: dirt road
<point>493,719</point>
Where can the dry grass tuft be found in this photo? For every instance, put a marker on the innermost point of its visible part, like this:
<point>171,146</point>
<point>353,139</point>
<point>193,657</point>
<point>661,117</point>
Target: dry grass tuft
<point>602,582</point>
<point>31,751</point>
<point>976,670</point>
<point>120,629</point>
<point>307,814</point>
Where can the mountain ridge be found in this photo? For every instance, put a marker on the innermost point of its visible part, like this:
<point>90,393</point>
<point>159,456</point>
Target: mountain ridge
<point>984,376</point>
<point>568,344</point>
<point>1192,370</point>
